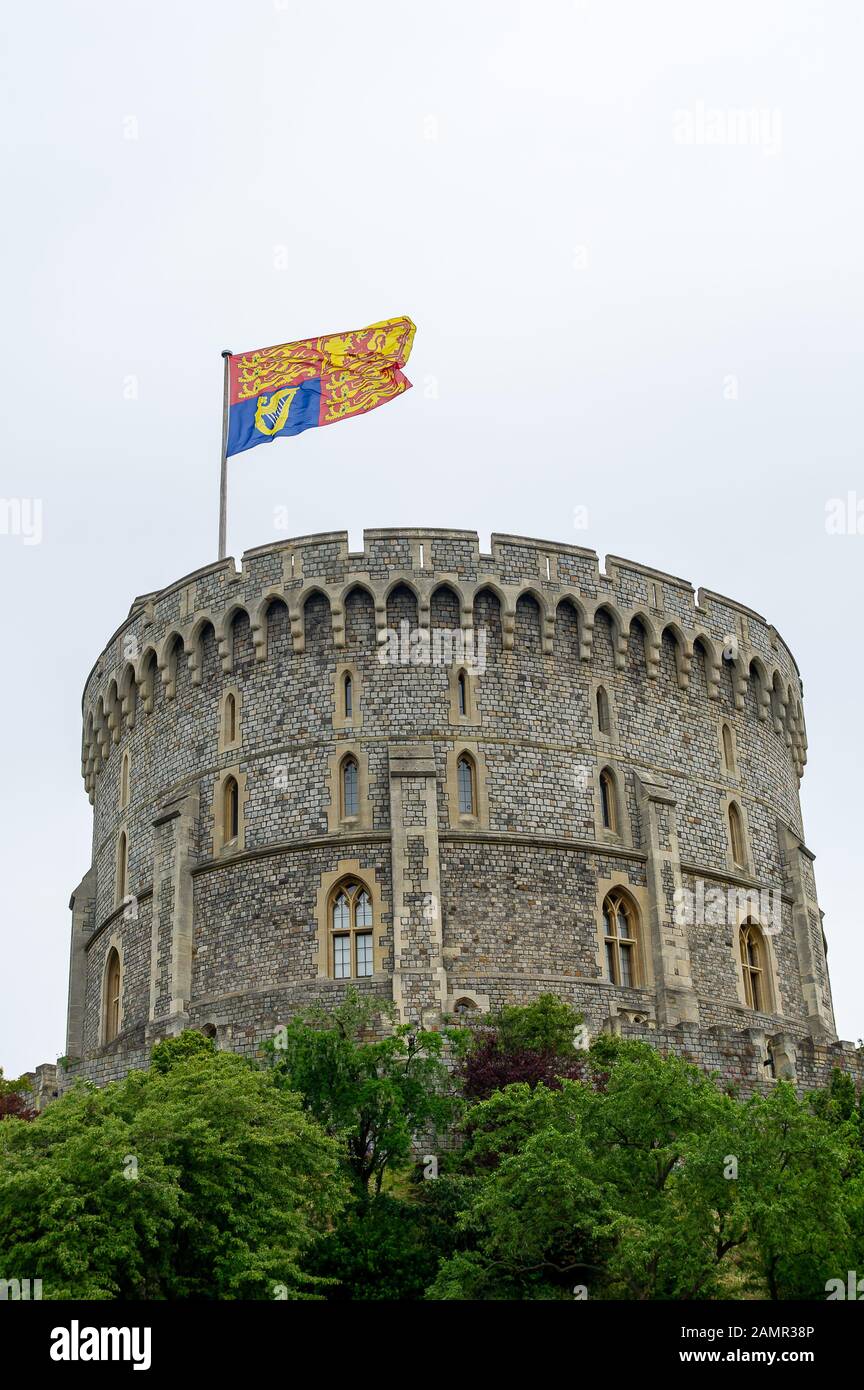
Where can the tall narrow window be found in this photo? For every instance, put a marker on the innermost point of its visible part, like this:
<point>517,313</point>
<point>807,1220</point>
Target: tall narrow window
<point>608,801</point>
<point>728,751</point>
<point>603,723</point>
<point>351,951</point>
<point>230,718</point>
<point>751,949</point>
<point>462,693</point>
<point>736,836</point>
<point>124,781</point>
<point>350,787</point>
<point>122,866</point>
<point>230,810</point>
<point>347,696</point>
<point>112,996</point>
<point>621,939</point>
<point>465,780</point>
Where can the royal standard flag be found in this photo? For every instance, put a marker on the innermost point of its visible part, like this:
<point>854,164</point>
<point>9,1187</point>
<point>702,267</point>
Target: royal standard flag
<point>284,390</point>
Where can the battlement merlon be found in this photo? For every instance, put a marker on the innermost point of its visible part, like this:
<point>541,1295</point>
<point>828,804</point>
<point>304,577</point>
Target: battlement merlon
<point>551,568</point>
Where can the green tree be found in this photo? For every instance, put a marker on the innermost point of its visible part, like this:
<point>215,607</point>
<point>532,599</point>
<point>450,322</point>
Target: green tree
<point>538,1220</point>
<point>198,1178</point>
<point>548,1024</point>
<point>645,1181</point>
<point>386,1247</point>
<point>791,1167</point>
<point>374,1094</point>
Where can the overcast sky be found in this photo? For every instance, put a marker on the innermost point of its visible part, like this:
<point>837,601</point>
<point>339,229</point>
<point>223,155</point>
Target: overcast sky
<point>627,299</point>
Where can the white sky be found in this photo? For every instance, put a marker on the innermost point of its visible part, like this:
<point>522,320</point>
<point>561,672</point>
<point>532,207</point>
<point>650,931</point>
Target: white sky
<point>584,283</point>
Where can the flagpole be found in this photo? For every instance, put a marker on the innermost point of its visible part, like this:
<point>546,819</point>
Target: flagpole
<point>223,472</point>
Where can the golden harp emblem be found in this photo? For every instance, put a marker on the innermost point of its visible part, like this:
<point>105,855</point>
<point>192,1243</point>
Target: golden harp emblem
<point>271,412</point>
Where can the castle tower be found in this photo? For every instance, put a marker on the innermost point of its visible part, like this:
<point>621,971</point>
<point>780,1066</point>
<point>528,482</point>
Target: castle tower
<point>452,780</point>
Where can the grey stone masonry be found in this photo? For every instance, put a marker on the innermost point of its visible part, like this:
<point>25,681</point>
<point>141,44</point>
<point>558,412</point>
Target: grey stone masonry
<point>425,772</point>
<point>419,976</point>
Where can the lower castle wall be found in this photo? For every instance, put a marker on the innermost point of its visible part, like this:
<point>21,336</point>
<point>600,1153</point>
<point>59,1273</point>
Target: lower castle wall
<point>737,1055</point>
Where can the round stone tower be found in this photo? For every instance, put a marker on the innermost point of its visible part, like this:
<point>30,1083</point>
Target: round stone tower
<point>453,780</point>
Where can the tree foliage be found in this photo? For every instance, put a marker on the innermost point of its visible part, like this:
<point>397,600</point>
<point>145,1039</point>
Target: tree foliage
<point>199,1178</point>
<point>652,1183</point>
<point>615,1172</point>
<point>534,1044</point>
<point>14,1098</point>
<point>373,1094</point>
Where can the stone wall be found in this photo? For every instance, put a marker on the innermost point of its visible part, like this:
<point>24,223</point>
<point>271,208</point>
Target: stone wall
<point>232,933</point>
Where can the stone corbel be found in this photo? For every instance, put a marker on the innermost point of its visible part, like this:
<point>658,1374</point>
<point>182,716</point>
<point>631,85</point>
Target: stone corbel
<point>298,628</point>
<point>337,620</point>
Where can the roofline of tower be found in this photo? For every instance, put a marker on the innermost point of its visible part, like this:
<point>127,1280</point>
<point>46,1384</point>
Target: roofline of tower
<point>497,539</point>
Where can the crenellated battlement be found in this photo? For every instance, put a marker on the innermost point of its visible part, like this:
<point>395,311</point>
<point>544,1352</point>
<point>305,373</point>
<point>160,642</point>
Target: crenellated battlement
<point>506,751</point>
<point>173,621</point>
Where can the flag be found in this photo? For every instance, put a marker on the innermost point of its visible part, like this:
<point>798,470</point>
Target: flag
<point>284,390</point>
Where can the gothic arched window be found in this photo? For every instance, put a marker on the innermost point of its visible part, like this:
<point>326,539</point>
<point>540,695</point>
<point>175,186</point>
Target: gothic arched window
<point>752,950</point>
<point>351,952</point>
<point>621,939</point>
<point>112,996</point>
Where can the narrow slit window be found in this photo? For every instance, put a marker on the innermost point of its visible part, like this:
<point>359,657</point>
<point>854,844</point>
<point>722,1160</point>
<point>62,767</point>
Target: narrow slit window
<point>122,866</point>
<point>230,718</point>
<point>736,836</point>
<point>230,809</point>
<point>463,696</point>
<point>112,996</point>
<point>347,696</point>
<point>603,723</point>
<point>350,787</point>
<point>608,802</point>
<point>728,751</point>
<point>465,778</point>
